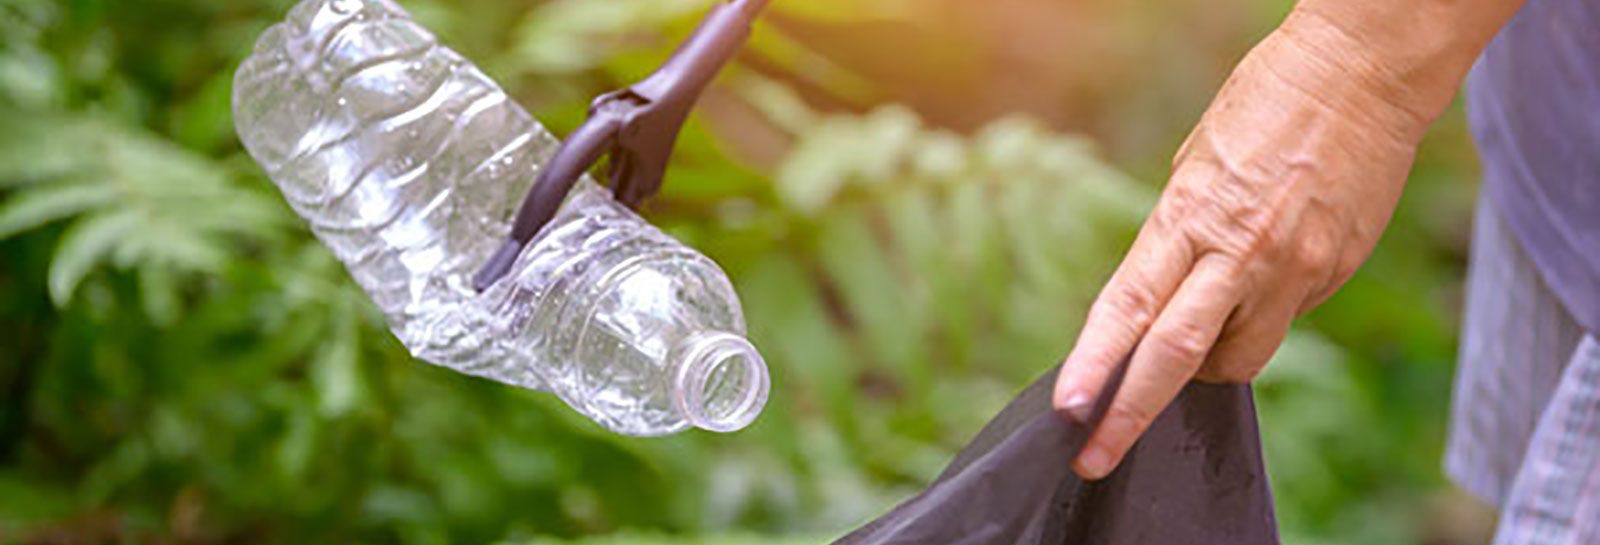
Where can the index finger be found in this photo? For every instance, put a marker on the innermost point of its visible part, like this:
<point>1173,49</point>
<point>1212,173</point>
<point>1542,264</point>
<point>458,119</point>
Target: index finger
<point>1127,306</point>
<point>1168,356</point>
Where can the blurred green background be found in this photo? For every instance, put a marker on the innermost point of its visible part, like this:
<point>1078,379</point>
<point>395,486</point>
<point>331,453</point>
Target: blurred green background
<point>916,199</point>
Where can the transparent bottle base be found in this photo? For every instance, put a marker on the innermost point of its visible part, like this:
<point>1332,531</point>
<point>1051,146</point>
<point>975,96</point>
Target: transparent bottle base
<point>721,381</point>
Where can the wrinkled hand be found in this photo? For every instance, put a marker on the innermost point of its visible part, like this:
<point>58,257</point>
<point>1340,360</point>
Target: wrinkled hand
<point>1275,199</point>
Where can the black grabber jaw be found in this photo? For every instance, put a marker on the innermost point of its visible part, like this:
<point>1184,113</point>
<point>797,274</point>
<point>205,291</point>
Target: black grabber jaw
<point>637,126</point>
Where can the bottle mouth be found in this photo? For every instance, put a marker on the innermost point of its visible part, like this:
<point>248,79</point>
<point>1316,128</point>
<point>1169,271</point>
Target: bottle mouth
<point>721,381</point>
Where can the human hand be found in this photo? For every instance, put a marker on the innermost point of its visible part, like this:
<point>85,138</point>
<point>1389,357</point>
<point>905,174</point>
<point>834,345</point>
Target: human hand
<point>1276,198</point>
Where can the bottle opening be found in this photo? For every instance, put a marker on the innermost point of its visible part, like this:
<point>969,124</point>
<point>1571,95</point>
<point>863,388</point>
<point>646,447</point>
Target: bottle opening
<point>722,382</point>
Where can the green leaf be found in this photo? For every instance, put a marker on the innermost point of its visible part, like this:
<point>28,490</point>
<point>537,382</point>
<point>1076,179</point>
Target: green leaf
<point>158,293</point>
<point>852,11</point>
<point>336,373</point>
<point>169,241</point>
<point>84,245</point>
<point>296,449</point>
<point>28,77</point>
<point>34,207</point>
<point>574,35</point>
<point>840,151</point>
<point>39,146</point>
<point>872,291</point>
<point>115,470</point>
<point>810,353</point>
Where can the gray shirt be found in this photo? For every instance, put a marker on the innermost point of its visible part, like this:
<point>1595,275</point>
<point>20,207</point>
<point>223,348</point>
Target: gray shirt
<point>1525,431</point>
<point>1533,101</point>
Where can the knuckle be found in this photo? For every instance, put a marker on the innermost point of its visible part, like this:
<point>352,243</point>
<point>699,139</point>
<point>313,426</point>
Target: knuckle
<point>1316,254</point>
<point>1179,201</point>
<point>1181,350</point>
<point>1161,219</point>
<point>1255,231</point>
<point>1239,229</point>
<point>1133,301</point>
<point>1313,258</point>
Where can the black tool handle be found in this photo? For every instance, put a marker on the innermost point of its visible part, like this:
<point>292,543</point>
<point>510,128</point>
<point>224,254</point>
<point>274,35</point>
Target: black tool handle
<point>666,96</point>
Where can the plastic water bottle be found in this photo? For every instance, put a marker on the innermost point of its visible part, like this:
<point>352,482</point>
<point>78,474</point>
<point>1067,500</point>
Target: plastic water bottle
<point>408,162</point>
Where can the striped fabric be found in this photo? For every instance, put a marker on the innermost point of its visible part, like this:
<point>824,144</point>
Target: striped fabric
<point>1525,430</point>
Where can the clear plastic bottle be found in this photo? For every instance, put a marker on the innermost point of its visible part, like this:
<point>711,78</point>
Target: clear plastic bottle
<point>408,162</point>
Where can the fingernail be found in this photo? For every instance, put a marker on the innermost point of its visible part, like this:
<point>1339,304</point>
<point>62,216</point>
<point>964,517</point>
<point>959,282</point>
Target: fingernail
<point>1078,406</point>
<point>1094,461</point>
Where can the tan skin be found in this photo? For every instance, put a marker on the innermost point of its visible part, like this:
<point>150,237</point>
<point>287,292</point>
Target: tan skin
<point>1276,198</point>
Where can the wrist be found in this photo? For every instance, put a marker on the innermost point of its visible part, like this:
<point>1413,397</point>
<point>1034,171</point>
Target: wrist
<point>1335,75</point>
<point>1409,55</point>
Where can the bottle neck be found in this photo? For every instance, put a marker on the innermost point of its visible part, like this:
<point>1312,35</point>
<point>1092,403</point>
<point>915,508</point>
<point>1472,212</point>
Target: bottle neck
<point>720,382</point>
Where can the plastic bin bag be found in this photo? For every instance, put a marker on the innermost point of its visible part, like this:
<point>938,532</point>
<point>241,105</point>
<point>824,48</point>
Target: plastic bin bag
<point>1196,477</point>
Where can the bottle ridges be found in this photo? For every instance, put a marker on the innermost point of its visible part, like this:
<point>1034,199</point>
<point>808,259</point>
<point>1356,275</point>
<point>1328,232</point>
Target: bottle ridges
<point>408,163</point>
<point>375,132</point>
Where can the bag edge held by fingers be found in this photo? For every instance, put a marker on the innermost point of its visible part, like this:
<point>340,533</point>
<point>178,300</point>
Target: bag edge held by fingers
<point>1196,477</point>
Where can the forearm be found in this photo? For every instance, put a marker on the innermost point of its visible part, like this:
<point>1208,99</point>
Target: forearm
<point>1412,54</point>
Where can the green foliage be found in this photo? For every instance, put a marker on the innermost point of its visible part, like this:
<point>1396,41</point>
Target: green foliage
<point>571,36</point>
<point>184,362</point>
<point>135,201</point>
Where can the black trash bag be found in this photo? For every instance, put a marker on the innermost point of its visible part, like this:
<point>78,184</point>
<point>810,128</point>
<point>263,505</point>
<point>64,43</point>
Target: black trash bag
<point>1196,477</point>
